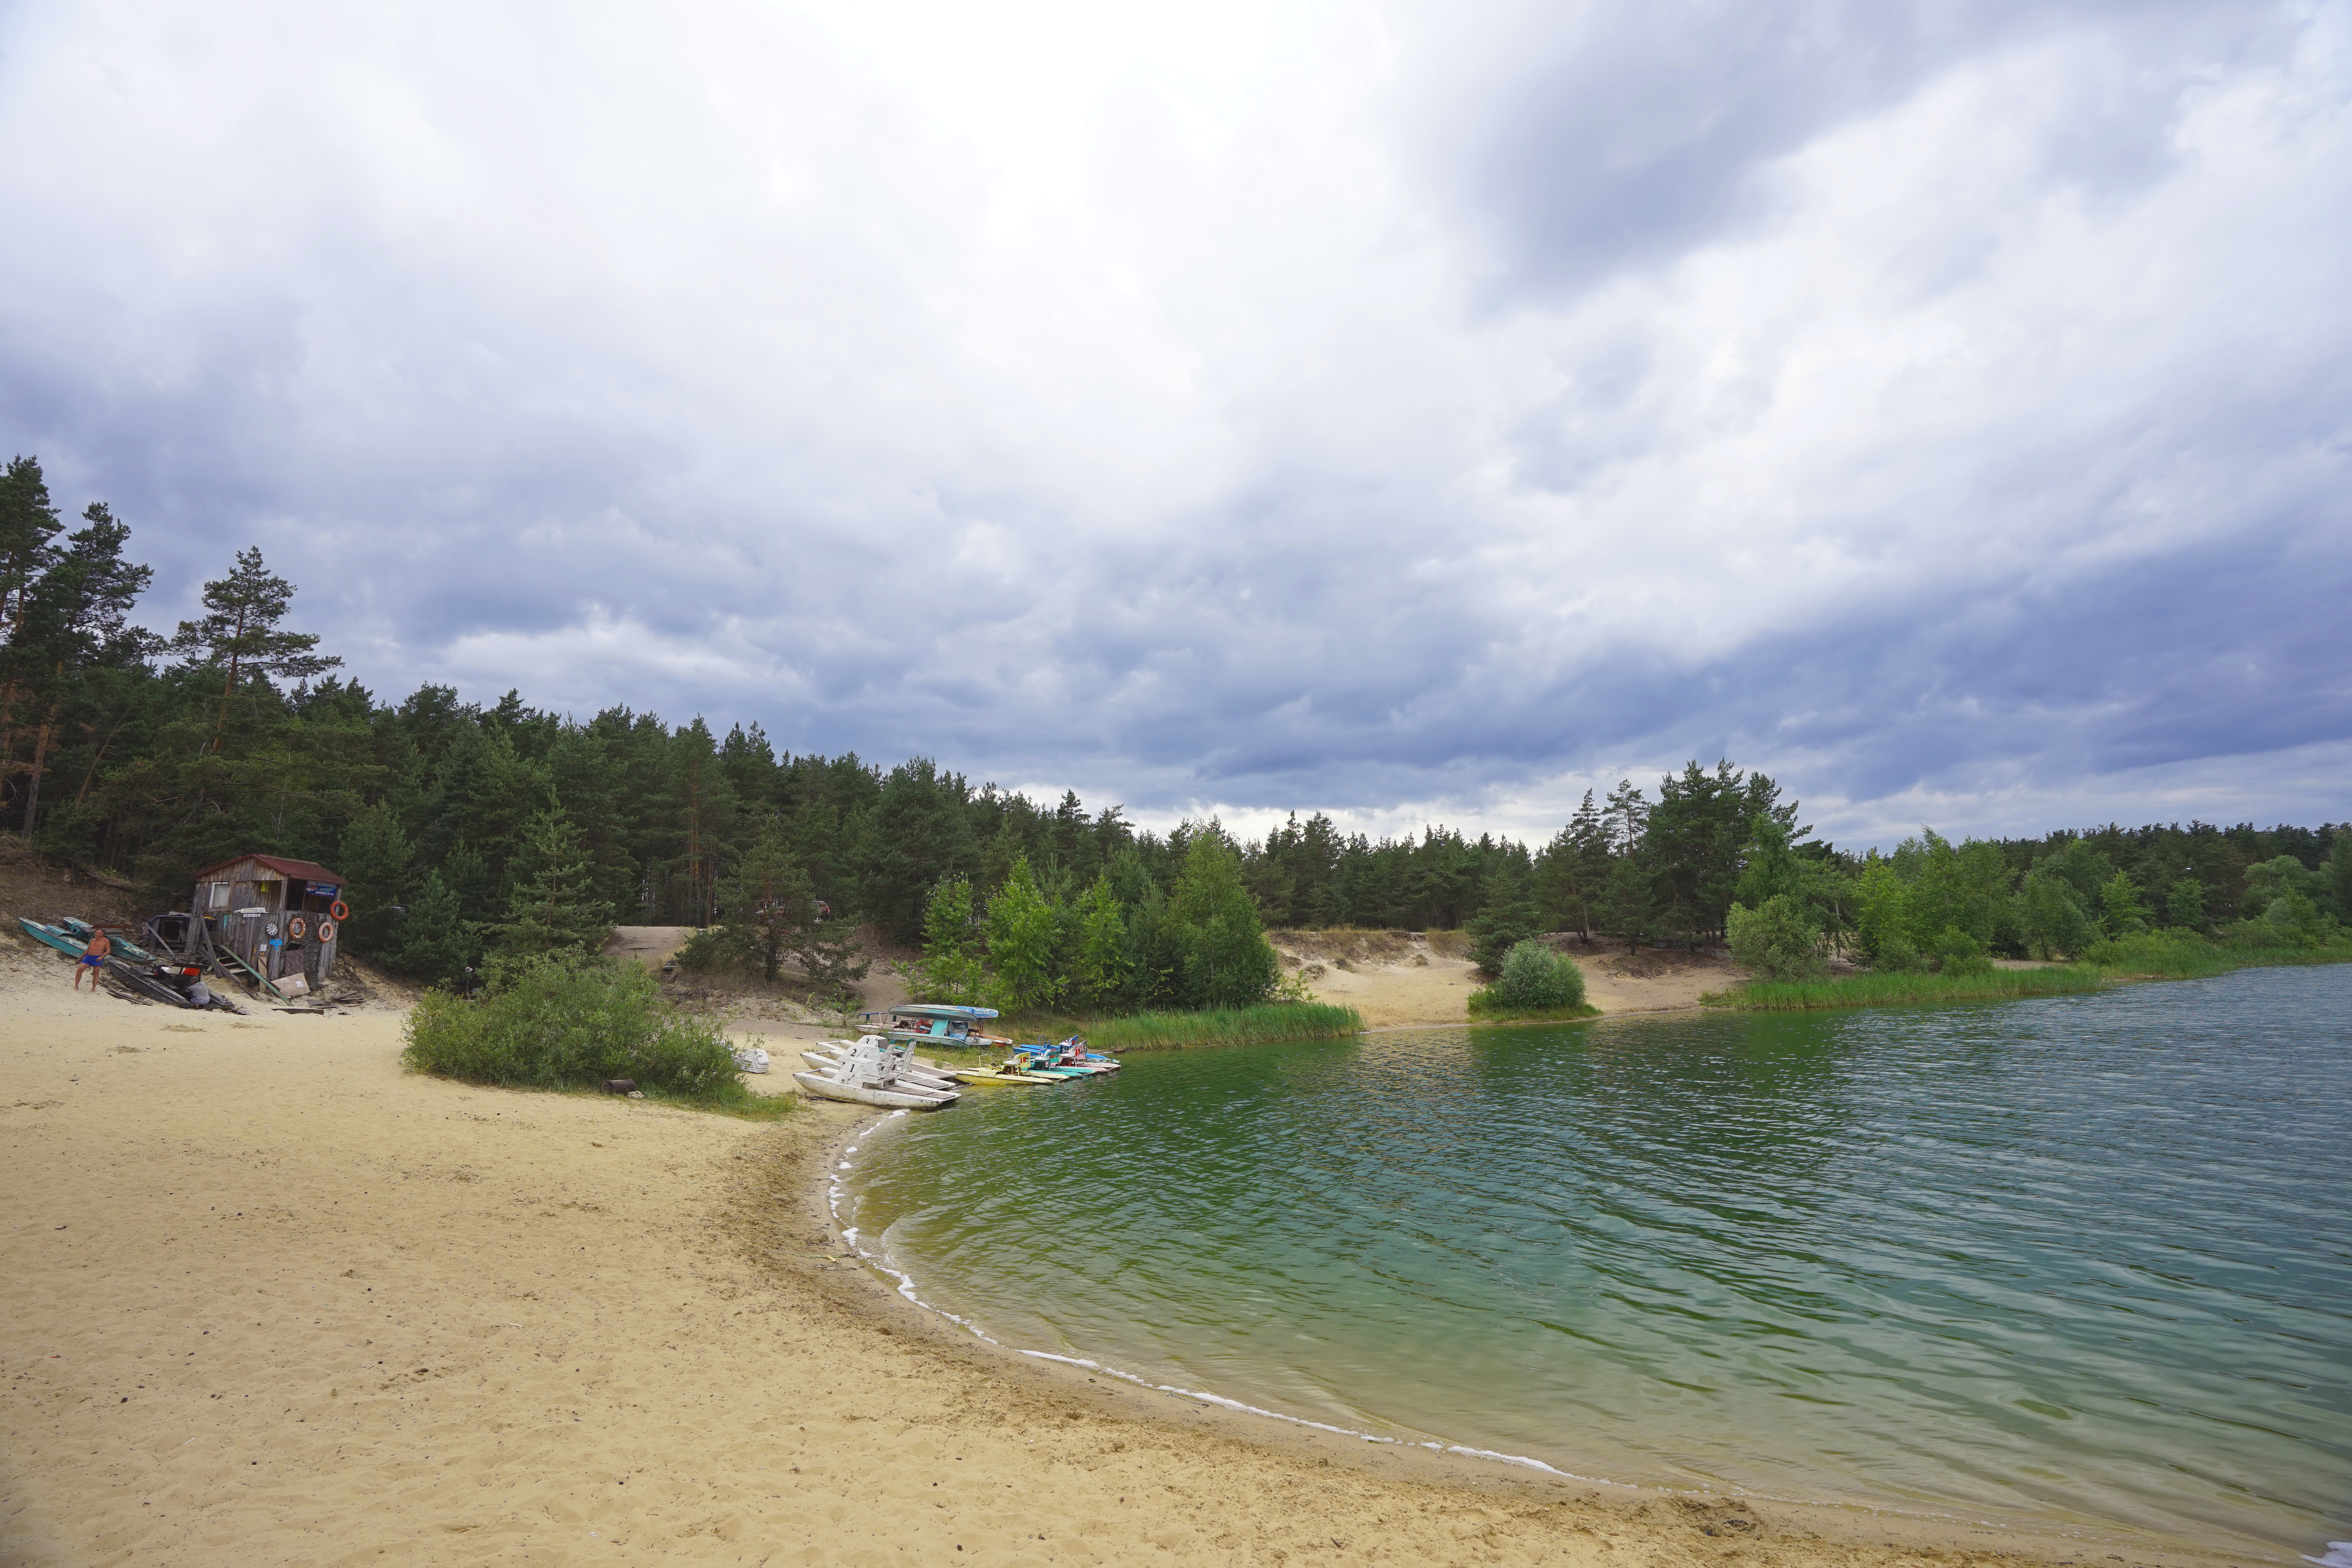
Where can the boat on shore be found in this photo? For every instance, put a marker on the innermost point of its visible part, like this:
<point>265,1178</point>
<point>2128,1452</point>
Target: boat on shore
<point>936,1023</point>
<point>872,1073</point>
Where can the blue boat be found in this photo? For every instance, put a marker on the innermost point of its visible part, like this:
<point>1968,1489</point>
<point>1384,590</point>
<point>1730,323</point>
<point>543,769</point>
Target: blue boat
<point>937,1023</point>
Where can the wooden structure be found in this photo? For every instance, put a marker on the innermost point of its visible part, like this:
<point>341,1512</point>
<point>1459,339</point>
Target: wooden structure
<point>276,916</point>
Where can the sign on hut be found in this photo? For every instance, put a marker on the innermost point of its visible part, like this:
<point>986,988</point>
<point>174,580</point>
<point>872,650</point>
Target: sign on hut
<point>277,915</point>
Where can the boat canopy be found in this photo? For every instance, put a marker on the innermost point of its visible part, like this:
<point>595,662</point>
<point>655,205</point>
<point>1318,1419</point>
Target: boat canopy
<point>935,1010</point>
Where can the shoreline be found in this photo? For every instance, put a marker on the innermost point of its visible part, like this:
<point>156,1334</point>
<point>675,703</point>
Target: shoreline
<point>273,1299</point>
<point>1851,1526</point>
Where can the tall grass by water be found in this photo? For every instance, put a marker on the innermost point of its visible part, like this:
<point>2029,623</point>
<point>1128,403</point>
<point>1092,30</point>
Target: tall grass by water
<point>1873,990</point>
<point>2185,955</point>
<point>1261,1025</point>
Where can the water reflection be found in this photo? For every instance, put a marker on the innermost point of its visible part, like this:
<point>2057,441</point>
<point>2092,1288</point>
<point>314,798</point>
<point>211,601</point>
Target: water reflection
<point>2086,1257</point>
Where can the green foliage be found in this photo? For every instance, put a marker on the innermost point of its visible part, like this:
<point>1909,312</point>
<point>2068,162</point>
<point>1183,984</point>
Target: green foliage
<point>2051,919</point>
<point>2184,906</point>
<point>433,941</point>
<point>1531,979</point>
<point>1254,1026</point>
<point>772,912</point>
<point>554,907</point>
<point>1222,958</point>
<point>1510,917</point>
<point>1100,969</point>
<point>2182,954</point>
<point>561,1021</point>
<point>1878,988</point>
<point>1778,940</point>
<point>1024,943</point>
<point>951,969</point>
<point>2121,912</point>
<point>378,864</point>
<point>238,636</point>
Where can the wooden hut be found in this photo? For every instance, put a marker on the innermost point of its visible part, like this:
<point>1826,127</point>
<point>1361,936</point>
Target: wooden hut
<point>275,914</point>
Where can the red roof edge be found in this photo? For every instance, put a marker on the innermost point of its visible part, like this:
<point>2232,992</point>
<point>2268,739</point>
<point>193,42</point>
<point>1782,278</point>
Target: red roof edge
<point>308,870</point>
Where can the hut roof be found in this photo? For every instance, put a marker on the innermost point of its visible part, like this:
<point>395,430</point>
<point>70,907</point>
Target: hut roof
<point>307,870</point>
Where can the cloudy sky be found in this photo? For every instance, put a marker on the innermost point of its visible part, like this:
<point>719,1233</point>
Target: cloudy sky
<point>1408,411</point>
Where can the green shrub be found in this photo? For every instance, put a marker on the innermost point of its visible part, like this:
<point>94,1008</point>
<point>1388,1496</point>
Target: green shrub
<point>1775,940</point>
<point>563,1021</point>
<point>1534,979</point>
<point>1958,953</point>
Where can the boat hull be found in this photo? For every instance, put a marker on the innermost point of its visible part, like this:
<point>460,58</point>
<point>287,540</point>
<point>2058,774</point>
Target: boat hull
<point>858,1094</point>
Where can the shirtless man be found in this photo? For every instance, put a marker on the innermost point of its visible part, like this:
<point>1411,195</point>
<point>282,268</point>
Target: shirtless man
<point>93,960</point>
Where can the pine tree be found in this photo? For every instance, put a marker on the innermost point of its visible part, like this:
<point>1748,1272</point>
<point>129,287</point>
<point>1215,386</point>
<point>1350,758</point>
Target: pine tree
<point>241,637</point>
<point>1101,966</point>
<point>435,941</point>
<point>1223,958</point>
<point>1510,917</point>
<point>769,905</point>
<point>951,969</point>
<point>376,860</point>
<point>1022,928</point>
<point>554,907</point>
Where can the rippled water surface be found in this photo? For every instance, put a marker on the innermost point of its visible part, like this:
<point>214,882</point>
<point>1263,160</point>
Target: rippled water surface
<point>2085,1259</point>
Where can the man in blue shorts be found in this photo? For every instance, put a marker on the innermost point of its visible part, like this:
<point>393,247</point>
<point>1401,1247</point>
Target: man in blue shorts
<point>93,960</point>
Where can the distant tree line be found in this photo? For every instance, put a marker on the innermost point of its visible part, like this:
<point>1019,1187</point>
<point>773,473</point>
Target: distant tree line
<point>468,830</point>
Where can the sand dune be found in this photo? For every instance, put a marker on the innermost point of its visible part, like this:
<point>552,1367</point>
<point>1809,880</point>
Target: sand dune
<point>269,1300</point>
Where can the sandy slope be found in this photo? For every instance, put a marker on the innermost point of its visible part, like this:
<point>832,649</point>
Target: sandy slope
<point>270,1300</point>
<point>1396,980</point>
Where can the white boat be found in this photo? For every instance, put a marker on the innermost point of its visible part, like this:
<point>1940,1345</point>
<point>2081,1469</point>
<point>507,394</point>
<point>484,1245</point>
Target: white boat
<point>825,1061</point>
<point>897,1100</point>
<point>869,1074</point>
<point>901,1052</point>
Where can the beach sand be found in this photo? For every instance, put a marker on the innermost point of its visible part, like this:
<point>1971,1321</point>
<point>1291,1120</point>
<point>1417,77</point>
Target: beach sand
<point>269,1300</point>
<point>1397,981</point>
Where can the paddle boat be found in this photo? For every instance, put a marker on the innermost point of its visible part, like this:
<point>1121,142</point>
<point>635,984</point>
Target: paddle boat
<point>1014,1069</point>
<point>1067,1057</point>
<point>936,1023</point>
<point>829,1054</point>
<point>869,1074</point>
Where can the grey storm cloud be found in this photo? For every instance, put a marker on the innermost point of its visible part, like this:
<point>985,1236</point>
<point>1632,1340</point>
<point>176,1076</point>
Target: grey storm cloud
<point>1408,412</point>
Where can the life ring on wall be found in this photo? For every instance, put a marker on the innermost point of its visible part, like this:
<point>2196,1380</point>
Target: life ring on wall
<point>326,932</point>
<point>338,909</point>
<point>294,928</point>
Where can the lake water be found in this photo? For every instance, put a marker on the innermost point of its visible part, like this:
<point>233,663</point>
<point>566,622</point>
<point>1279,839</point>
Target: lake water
<point>2084,1261</point>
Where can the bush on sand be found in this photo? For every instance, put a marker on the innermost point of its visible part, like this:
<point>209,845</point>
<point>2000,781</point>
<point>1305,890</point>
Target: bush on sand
<point>564,1021</point>
<point>1535,981</point>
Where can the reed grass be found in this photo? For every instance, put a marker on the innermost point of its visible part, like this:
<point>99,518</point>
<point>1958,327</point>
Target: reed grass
<point>2185,955</point>
<point>1267,1022</point>
<point>1870,990</point>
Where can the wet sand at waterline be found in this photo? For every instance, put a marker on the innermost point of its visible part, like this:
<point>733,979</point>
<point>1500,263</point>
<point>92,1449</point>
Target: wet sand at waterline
<point>271,1299</point>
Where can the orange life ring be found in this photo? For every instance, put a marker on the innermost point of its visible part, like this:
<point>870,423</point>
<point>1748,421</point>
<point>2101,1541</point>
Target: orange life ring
<point>339,910</point>
<point>326,932</point>
<point>294,928</point>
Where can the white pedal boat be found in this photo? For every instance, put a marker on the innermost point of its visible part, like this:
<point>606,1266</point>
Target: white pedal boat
<point>872,1072</point>
<point>858,1093</point>
<point>923,1078</point>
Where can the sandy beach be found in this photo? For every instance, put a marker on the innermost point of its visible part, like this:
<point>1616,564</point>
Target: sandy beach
<point>271,1300</point>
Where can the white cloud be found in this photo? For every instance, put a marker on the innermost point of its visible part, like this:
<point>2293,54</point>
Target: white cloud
<point>1395,410</point>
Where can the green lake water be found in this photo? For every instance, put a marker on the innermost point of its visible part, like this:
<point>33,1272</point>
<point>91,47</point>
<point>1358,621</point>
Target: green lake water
<point>2083,1261</point>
